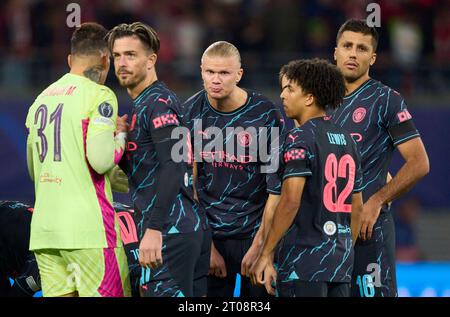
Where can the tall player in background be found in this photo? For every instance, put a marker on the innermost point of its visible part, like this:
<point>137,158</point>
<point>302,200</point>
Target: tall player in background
<point>232,189</point>
<point>320,202</point>
<point>169,227</point>
<point>378,119</point>
<point>71,145</point>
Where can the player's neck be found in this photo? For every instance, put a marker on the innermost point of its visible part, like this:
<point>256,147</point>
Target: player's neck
<point>234,101</point>
<point>136,90</point>
<point>310,114</point>
<point>350,87</point>
<point>90,67</point>
<point>92,73</point>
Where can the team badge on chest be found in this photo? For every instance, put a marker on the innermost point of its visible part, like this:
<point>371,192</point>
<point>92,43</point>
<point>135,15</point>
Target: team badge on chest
<point>359,114</point>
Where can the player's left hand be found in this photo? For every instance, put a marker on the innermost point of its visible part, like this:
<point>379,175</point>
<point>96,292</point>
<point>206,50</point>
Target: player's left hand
<point>249,258</point>
<point>369,216</point>
<point>122,124</point>
<point>150,249</point>
<point>118,180</point>
<point>270,279</point>
<point>263,272</point>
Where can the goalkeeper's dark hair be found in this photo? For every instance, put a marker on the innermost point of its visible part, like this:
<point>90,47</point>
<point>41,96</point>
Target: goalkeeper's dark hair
<point>359,26</point>
<point>146,34</point>
<point>317,77</point>
<point>88,39</point>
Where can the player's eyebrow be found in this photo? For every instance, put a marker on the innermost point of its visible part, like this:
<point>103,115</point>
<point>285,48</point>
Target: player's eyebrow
<point>286,86</point>
<point>362,46</point>
<point>124,52</point>
<point>217,70</point>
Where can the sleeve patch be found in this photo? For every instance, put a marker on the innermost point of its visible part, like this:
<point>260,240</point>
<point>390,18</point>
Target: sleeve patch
<point>164,120</point>
<point>294,154</point>
<point>404,115</point>
<point>105,109</point>
<point>103,121</point>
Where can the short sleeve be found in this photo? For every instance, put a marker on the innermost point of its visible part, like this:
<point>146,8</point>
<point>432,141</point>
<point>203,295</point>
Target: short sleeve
<point>275,144</point>
<point>296,155</point>
<point>399,121</point>
<point>163,113</point>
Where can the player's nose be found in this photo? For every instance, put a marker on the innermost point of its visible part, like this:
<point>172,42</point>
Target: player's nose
<point>216,79</point>
<point>353,52</point>
<point>122,60</point>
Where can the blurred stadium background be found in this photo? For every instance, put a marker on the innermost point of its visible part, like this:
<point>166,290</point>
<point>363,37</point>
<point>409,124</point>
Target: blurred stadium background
<point>413,58</point>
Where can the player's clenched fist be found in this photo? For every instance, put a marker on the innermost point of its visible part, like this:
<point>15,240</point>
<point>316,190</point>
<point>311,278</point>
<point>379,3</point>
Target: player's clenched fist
<point>217,264</point>
<point>150,254</point>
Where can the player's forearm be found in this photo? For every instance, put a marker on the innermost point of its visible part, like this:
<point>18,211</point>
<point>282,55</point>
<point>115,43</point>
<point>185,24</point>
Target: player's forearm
<point>267,218</point>
<point>410,173</point>
<point>283,217</point>
<point>416,166</point>
<point>170,176</point>
<point>258,240</point>
<point>103,151</point>
<point>170,179</point>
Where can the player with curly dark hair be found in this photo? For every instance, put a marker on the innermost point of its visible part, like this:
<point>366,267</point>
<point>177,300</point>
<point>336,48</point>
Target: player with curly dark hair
<point>320,203</point>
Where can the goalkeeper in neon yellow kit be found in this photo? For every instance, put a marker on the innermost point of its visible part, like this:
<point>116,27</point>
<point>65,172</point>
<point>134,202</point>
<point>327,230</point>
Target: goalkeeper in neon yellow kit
<point>75,139</point>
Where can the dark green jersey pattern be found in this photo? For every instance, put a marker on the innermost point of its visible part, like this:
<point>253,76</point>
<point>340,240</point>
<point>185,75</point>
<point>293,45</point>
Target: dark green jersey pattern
<point>318,246</point>
<point>234,192</point>
<point>377,118</point>
<point>156,108</point>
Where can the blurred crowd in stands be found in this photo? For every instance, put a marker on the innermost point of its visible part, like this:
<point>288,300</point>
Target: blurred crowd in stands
<point>413,55</point>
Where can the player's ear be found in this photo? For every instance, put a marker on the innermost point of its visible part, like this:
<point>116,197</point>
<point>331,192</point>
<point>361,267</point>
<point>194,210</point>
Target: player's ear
<point>151,60</point>
<point>69,60</point>
<point>334,54</point>
<point>239,75</point>
<point>309,100</point>
<point>105,60</point>
<point>373,59</point>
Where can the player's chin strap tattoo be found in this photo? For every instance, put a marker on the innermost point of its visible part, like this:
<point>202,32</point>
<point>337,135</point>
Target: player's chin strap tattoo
<point>94,73</point>
<point>170,179</point>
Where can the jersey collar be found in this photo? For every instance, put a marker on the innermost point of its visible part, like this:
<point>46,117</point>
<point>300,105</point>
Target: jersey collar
<point>359,89</point>
<point>144,92</point>
<point>232,112</point>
